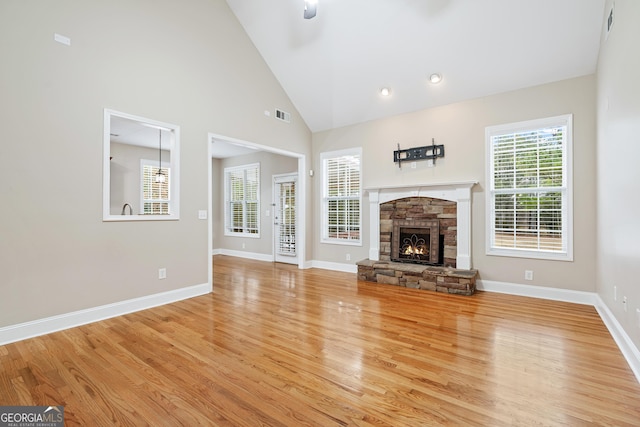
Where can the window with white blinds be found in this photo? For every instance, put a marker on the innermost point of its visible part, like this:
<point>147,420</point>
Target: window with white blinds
<point>529,197</point>
<point>242,200</point>
<point>155,197</point>
<point>341,201</point>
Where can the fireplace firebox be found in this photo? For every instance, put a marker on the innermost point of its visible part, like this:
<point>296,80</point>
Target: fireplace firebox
<point>416,241</point>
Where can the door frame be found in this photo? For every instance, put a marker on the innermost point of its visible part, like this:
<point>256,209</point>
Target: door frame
<point>301,213</point>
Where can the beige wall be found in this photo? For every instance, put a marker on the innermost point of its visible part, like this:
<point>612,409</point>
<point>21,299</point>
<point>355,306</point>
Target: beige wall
<point>196,67</point>
<point>618,153</point>
<point>193,66</point>
<point>461,128</point>
<point>270,164</point>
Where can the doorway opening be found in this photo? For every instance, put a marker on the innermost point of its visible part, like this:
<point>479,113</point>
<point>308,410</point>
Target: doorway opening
<point>293,229</point>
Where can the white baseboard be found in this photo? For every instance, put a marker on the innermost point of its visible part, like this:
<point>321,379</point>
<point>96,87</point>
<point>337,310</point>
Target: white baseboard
<point>243,254</point>
<point>556,294</point>
<point>48,325</point>
<point>627,347</point>
<point>336,266</point>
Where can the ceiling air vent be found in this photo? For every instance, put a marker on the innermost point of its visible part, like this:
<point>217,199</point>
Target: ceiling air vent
<point>283,115</point>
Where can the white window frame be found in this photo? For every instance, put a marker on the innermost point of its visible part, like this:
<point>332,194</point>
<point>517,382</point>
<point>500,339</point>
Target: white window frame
<point>566,190</point>
<point>324,159</point>
<point>166,167</point>
<point>227,202</point>
<point>139,126</point>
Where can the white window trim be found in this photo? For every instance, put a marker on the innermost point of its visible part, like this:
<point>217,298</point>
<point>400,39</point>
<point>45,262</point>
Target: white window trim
<point>227,213</point>
<point>173,144</point>
<point>567,201</point>
<point>324,237</point>
<point>147,162</point>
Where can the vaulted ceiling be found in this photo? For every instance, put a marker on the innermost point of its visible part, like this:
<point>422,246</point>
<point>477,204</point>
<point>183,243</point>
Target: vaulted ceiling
<point>334,65</point>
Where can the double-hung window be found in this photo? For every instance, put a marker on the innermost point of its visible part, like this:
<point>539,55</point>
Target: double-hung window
<point>155,194</point>
<point>242,200</point>
<point>341,196</point>
<point>529,195</point>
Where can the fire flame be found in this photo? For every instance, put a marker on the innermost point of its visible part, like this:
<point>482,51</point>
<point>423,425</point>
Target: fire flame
<point>414,247</point>
<point>414,250</point>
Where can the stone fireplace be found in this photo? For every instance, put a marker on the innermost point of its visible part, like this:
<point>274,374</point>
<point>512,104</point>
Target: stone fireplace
<point>420,237</point>
<point>421,230</point>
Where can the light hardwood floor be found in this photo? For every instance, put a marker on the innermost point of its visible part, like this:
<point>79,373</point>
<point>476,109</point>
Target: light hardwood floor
<point>278,346</point>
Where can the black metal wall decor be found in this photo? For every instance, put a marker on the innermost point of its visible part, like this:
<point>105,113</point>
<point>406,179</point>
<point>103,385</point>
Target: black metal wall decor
<point>428,152</point>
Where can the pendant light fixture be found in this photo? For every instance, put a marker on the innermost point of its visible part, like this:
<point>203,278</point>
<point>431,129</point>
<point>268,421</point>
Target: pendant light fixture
<point>159,175</point>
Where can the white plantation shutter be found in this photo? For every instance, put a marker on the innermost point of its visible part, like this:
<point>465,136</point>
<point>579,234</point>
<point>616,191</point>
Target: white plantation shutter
<point>341,196</point>
<point>252,199</point>
<point>242,200</point>
<point>530,188</point>
<point>155,195</point>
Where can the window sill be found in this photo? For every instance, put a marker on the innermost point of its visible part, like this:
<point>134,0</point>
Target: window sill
<point>120,218</point>
<point>523,253</point>
<point>249,235</point>
<point>341,242</point>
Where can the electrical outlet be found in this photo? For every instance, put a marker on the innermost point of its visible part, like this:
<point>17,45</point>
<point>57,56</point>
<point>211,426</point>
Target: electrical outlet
<point>528,275</point>
<point>162,273</point>
<point>348,257</point>
<point>244,246</point>
<point>638,313</point>
<point>615,293</point>
<point>624,303</point>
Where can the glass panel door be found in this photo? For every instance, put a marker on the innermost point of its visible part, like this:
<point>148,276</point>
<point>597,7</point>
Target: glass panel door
<point>284,216</point>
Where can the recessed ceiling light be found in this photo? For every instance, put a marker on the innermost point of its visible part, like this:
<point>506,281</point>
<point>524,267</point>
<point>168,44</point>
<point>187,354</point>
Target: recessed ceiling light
<point>385,91</point>
<point>435,78</point>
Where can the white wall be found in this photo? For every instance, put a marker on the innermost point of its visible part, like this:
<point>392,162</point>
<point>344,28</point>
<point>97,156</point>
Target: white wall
<point>618,153</point>
<point>460,127</point>
<point>193,66</point>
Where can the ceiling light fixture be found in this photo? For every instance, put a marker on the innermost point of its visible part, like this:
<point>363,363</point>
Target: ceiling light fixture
<point>310,8</point>
<point>435,78</point>
<point>385,91</point>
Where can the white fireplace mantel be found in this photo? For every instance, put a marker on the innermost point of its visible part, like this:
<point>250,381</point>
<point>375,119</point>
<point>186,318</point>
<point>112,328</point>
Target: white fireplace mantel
<point>459,192</point>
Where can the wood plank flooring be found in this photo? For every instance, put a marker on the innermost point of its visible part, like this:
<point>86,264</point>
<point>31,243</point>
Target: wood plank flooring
<point>277,346</point>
